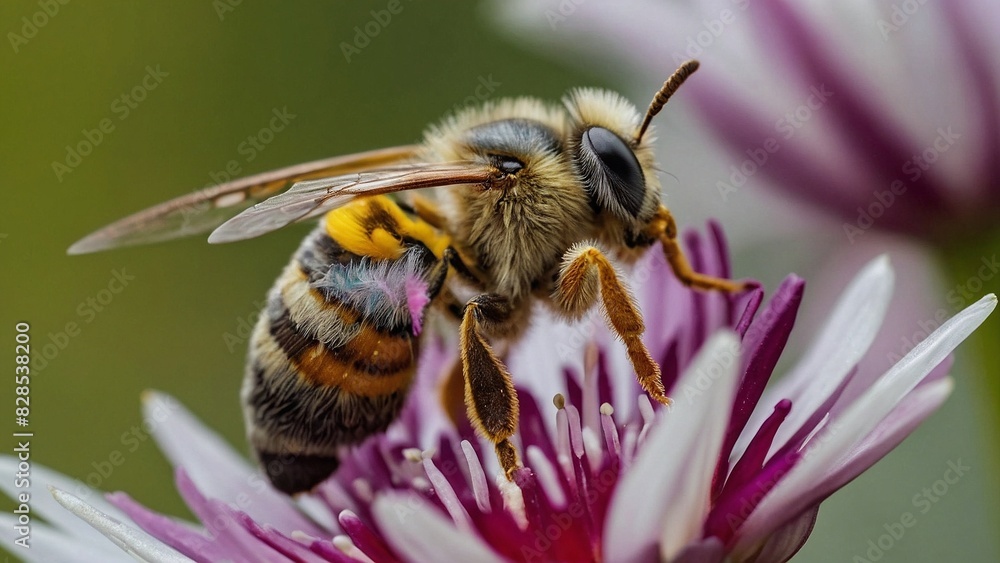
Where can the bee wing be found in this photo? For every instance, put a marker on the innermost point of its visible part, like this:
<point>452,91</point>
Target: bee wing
<point>206,209</point>
<point>315,197</point>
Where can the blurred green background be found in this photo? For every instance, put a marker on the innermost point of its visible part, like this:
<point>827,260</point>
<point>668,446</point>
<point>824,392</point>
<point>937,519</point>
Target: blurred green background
<point>225,68</point>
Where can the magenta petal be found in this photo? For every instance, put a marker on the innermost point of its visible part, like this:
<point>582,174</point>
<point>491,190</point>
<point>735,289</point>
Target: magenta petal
<point>329,552</point>
<point>699,318</point>
<point>789,539</point>
<point>753,301</point>
<point>821,412</point>
<point>762,346</point>
<point>731,512</point>
<point>220,521</point>
<point>291,549</point>
<point>365,539</point>
<point>756,453</point>
<point>181,537</point>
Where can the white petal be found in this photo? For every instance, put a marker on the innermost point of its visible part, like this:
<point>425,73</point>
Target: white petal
<point>136,543</point>
<point>901,422</point>
<point>664,497</point>
<point>858,420</point>
<point>43,504</point>
<point>842,342</point>
<point>419,532</point>
<point>787,541</point>
<point>215,467</point>
<point>50,544</point>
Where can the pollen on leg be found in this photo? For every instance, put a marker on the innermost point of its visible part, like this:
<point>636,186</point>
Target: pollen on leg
<point>579,283</point>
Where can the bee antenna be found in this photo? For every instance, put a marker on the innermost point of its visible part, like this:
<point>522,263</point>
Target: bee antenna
<point>669,87</point>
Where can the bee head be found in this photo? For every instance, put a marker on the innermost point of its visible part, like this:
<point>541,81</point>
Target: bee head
<point>616,170</point>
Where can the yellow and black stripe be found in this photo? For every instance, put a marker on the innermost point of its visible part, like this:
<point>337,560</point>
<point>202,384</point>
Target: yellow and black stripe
<point>334,352</point>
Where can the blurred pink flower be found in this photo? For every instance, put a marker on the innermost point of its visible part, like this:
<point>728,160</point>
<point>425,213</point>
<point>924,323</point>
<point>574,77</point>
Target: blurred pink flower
<point>729,472</point>
<point>886,115</point>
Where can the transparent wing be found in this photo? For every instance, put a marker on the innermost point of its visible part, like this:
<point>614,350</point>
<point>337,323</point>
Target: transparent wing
<point>206,209</point>
<point>315,197</point>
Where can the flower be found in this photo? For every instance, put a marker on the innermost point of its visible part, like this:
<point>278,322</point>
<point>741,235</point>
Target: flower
<point>730,470</point>
<point>854,109</point>
<point>837,128</point>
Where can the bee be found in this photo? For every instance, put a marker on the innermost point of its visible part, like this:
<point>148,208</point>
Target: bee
<point>533,202</point>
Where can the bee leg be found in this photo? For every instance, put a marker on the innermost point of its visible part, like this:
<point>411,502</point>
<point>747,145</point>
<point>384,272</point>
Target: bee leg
<point>679,263</point>
<point>490,399</point>
<point>586,274</point>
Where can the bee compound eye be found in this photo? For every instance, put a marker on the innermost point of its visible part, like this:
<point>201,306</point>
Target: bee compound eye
<point>614,175</point>
<point>507,164</point>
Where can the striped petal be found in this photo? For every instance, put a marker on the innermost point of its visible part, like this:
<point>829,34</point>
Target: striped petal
<point>214,466</point>
<point>792,494</point>
<point>842,342</point>
<point>664,497</point>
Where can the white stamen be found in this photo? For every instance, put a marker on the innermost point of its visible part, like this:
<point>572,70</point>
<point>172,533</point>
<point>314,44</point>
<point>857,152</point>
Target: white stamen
<point>363,489</point>
<point>344,544</point>
<point>562,446</point>
<point>513,500</point>
<point>646,410</point>
<point>478,477</point>
<point>591,417</point>
<point>420,484</point>
<point>629,444</point>
<point>592,445</point>
<point>648,417</point>
<point>610,431</point>
<point>449,499</point>
<point>547,477</point>
<point>575,436</point>
<point>413,455</point>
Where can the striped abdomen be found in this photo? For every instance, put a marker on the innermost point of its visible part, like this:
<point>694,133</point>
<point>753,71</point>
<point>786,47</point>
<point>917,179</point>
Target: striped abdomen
<point>334,352</point>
